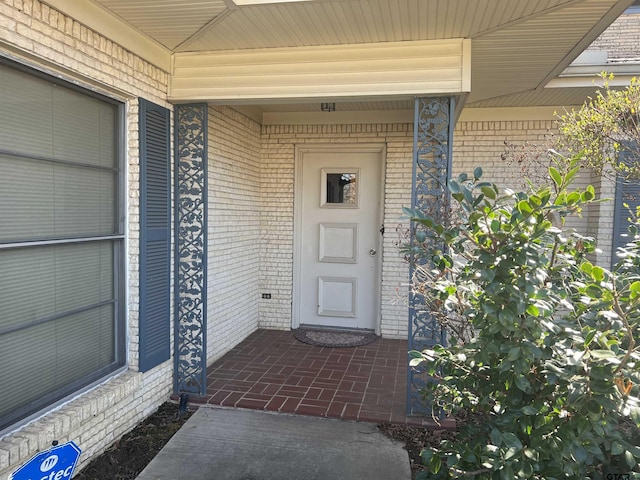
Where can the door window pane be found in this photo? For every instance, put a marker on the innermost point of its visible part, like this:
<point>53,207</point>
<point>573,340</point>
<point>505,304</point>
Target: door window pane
<point>339,188</point>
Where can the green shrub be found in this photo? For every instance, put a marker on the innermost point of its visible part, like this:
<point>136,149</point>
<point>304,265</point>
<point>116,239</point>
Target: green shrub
<point>543,350</point>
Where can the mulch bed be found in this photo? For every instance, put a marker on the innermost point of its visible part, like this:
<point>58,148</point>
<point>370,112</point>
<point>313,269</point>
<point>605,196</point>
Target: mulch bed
<point>126,458</point>
<point>415,440</point>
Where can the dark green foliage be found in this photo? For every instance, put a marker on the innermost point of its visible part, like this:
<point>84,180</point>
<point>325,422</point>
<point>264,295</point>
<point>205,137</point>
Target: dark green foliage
<point>544,345</point>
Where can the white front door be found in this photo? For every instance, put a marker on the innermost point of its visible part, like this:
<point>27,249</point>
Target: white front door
<point>338,236</point>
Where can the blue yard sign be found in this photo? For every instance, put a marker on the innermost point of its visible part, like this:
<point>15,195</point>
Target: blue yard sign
<point>57,463</point>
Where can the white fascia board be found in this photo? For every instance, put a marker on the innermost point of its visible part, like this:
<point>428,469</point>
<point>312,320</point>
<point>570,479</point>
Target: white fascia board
<point>589,82</point>
<point>374,70</point>
<point>591,57</point>
<point>466,66</point>
<point>589,75</point>
<point>115,29</point>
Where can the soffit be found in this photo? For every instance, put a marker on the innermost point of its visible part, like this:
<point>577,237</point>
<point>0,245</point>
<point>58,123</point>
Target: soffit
<point>169,22</point>
<point>360,21</point>
<point>340,106</point>
<point>199,25</point>
<point>547,97</point>
<point>544,97</point>
<point>526,55</point>
<point>517,45</point>
<point>566,97</point>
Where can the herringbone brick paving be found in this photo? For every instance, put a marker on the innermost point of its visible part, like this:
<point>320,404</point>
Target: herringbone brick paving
<point>271,370</point>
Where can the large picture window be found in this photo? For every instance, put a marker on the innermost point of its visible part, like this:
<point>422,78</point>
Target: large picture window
<point>61,241</point>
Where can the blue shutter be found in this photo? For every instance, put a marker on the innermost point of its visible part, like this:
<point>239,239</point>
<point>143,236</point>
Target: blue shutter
<point>155,225</point>
<point>626,192</point>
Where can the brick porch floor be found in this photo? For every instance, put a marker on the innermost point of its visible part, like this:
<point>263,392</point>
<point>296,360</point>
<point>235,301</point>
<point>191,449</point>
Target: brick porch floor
<point>271,370</point>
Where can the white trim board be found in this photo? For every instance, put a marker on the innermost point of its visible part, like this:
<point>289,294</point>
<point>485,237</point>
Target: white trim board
<point>371,70</point>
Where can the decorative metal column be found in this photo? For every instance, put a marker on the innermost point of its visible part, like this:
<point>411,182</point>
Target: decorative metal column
<point>432,147</point>
<point>190,286</point>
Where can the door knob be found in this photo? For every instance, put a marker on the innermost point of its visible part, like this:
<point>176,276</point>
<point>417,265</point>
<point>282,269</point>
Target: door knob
<point>372,252</point>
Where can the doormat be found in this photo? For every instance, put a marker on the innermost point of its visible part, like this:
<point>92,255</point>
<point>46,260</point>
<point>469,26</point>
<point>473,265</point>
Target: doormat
<point>333,338</point>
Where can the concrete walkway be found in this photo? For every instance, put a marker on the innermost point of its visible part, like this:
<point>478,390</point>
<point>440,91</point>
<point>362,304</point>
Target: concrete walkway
<point>232,444</point>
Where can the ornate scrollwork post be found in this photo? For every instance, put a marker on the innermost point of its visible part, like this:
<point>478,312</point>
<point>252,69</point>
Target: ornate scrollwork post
<point>190,286</point>
<point>432,147</point>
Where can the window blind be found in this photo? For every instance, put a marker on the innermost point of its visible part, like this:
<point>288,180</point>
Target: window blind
<point>60,241</point>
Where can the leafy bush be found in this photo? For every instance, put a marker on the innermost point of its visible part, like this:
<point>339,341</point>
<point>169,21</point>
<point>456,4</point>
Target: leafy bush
<point>543,345</point>
<point>604,126</point>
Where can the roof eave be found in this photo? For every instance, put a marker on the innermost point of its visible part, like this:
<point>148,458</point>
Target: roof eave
<point>589,76</point>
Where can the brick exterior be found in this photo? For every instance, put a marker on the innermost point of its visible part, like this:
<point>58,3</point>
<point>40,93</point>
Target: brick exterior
<point>621,39</point>
<point>40,36</point>
<point>477,143</point>
<point>277,229</point>
<point>234,229</point>
<point>483,143</point>
<point>250,236</point>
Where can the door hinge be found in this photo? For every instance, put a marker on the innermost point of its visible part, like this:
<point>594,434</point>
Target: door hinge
<point>381,230</point>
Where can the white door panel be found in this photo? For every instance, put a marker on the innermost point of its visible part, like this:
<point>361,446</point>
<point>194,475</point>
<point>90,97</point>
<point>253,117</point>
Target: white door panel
<point>338,238</point>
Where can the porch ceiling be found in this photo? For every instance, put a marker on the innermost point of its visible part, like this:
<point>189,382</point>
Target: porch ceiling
<point>517,45</point>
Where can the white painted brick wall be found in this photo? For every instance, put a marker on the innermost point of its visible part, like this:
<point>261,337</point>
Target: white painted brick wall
<point>277,190</point>
<point>483,143</point>
<point>251,216</point>
<point>234,229</point>
<point>94,420</point>
<point>621,39</point>
<point>41,37</point>
<point>395,271</point>
<point>478,143</point>
<point>276,228</point>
